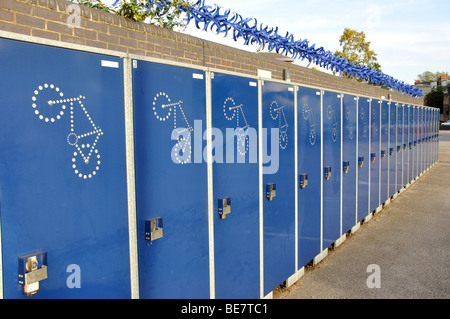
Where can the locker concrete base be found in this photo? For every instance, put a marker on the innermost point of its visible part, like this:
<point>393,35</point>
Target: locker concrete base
<point>295,277</point>
<point>340,240</point>
<point>368,217</point>
<point>378,209</point>
<point>355,228</point>
<point>387,202</point>
<point>320,257</point>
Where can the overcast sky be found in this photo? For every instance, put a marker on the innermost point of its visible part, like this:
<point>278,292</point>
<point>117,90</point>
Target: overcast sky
<point>409,36</point>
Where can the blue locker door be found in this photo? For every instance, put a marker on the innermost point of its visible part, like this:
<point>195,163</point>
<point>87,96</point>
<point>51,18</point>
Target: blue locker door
<point>350,162</point>
<point>375,158</point>
<point>434,135</point>
<point>363,157</point>
<point>424,132</point>
<point>436,132</point>
<point>425,136</point>
<point>416,141</point>
<point>400,151</point>
<point>310,173</point>
<point>171,180</point>
<point>428,148</point>
<point>331,109</point>
<point>420,157</point>
<point>279,211</point>
<point>428,137</point>
<point>411,143</point>
<point>236,237</point>
<point>405,144</point>
<point>384,155</point>
<point>392,149</point>
<point>63,170</point>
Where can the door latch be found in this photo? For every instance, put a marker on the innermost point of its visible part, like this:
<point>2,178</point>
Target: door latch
<point>153,228</point>
<point>32,268</point>
<point>360,161</point>
<point>327,172</point>
<point>224,207</point>
<point>271,191</point>
<point>303,180</point>
<point>346,166</point>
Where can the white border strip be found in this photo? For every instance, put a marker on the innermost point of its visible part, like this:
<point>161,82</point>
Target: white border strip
<point>209,164</point>
<point>131,186</point>
<point>1,258</point>
<point>296,183</point>
<point>321,169</point>
<point>261,199</point>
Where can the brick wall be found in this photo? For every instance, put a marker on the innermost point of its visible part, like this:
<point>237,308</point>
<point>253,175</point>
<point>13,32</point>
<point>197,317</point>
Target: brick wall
<point>48,19</point>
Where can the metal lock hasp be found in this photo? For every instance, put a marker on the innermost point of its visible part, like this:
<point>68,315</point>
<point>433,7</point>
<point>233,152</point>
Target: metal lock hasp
<point>224,206</point>
<point>303,180</point>
<point>327,172</point>
<point>153,228</point>
<point>360,161</point>
<point>346,166</point>
<point>271,191</point>
<point>372,157</point>
<point>32,268</point>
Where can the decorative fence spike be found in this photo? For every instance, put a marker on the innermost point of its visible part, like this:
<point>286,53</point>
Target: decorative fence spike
<point>221,21</point>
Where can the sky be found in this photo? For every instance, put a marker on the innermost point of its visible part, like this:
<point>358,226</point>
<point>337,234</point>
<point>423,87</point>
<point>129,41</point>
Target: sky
<point>408,36</point>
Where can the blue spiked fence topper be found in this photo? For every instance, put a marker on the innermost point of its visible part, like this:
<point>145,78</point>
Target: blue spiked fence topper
<point>221,21</point>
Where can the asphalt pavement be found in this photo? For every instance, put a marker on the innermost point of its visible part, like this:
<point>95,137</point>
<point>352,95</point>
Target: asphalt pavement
<point>401,253</point>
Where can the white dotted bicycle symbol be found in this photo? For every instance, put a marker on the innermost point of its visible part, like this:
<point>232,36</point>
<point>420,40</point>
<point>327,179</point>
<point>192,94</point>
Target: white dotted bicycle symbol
<point>230,111</point>
<point>50,105</point>
<point>277,112</point>
<point>163,108</point>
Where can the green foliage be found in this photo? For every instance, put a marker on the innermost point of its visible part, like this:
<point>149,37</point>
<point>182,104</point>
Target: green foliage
<point>435,98</point>
<point>169,17</point>
<point>357,50</point>
<point>97,4</point>
<point>428,76</point>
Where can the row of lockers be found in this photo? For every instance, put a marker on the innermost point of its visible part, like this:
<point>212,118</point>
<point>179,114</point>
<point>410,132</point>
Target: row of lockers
<point>126,178</point>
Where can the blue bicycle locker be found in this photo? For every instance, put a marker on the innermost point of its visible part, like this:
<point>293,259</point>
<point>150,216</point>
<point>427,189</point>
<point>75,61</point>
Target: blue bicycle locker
<point>384,152</point>
<point>421,144</point>
<point>64,211</point>
<point>411,143</point>
<point>375,158</point>
<point>416,142</point>
<point>171,181</point>
<point>400,155</point>
<point>406,137</point>
<point>363,156</point>
<point>392,148</point>
<point>235,186</point>
<point>279,182</point>
<point>350,161</point>
<point>332,167</point>
<point>309,174</point>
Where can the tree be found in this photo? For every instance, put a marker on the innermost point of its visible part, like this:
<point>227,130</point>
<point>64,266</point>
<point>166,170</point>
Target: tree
<point>435,98</point>
<point>428,76</point>
<point>168,15</point>
<point>357,50</point>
